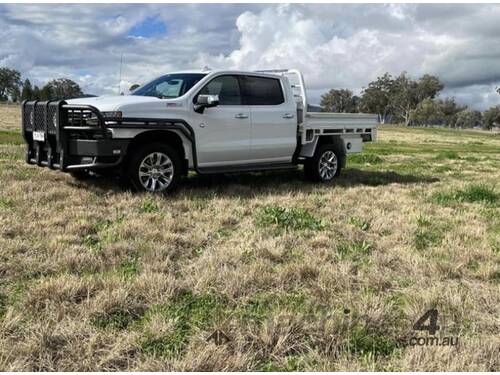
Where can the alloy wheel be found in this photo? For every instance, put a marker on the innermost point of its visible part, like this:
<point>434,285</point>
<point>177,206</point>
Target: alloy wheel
<point>328,165</point>
<point>156,172</point>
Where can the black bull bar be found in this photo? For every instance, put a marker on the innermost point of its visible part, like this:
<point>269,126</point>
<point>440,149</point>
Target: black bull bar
<point>68,137</point>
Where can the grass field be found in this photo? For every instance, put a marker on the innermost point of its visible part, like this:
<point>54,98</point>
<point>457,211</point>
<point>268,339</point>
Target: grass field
<point>298,276</point>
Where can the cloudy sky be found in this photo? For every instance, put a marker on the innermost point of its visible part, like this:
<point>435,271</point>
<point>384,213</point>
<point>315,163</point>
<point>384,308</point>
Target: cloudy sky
<point>335,45</point>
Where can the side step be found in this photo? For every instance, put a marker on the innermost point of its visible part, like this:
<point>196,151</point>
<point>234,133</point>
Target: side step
<point>247,168</point>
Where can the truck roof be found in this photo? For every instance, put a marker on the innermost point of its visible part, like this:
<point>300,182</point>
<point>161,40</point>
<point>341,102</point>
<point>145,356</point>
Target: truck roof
<point>229,71</point>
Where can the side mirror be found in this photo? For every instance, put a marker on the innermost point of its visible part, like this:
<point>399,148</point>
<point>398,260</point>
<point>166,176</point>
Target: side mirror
<point>133,87</point>
<point>205,101</point>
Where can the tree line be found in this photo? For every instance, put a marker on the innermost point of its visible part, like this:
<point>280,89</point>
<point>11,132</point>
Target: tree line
<point>402,99</point>
<point>399,99</point>
<point>14,89</point>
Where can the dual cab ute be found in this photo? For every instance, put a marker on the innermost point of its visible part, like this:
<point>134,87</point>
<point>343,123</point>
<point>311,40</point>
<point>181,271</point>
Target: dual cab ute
<point>206,121</point>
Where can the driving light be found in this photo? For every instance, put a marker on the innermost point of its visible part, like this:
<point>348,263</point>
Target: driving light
<point>112,115</point>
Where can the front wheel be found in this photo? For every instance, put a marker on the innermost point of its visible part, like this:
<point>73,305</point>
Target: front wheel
<point>324,166</point>
<point>155,168</point>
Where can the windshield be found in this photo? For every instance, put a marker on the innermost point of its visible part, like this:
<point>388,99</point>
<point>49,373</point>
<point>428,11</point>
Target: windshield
<point>170,85</point>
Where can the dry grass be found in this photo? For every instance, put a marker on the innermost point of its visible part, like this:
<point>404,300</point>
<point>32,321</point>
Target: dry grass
<point>9,117</point>
<point>299,276</point>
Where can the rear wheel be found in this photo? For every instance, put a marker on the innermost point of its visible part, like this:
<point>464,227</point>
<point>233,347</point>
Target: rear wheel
<point>325,165</point>
<point>155,168</point>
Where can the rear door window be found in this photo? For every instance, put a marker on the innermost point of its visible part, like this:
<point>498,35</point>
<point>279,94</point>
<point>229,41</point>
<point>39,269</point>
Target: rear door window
<point>262,91</point>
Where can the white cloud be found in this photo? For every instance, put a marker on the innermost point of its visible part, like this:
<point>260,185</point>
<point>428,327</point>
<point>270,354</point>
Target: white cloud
<point>334,45</point>
<point>283,36</point>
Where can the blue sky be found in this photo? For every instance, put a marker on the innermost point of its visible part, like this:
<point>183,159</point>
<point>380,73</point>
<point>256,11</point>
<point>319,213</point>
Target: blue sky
<point>335,45</point>
<point>150,27</point>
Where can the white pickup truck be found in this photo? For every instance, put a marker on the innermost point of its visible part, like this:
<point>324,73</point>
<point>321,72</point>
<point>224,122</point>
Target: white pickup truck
<point>208,121</point>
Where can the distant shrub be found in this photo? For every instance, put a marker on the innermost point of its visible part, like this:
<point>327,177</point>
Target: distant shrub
<point>289,218</point>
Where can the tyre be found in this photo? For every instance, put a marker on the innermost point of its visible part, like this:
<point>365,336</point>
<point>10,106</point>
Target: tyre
<point>325,164</point>
<point>155,168</point>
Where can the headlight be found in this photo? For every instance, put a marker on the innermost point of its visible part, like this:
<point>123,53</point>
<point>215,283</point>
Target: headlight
<point>91,119</point>
<point>112,115</point>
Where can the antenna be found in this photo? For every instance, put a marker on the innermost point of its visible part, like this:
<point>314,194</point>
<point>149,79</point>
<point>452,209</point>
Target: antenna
<point>120,77</point>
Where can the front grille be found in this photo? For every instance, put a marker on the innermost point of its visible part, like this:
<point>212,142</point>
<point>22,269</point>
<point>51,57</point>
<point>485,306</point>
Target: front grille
<point>80,117</point>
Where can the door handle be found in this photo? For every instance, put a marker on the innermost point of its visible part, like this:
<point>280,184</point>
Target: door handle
<point>287,115</point>
<point>241,115</point>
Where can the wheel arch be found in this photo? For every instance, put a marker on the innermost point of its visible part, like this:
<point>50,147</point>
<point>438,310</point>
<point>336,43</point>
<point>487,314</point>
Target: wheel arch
<point>170,137</point>
<point>337,143</point>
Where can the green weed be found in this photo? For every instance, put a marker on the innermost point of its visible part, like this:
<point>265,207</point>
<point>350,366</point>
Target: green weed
<point>363,341</point>
<point>292,364</point>
<point>289,218</point>
<point>365,158</point>
<point>11,137</point>
<point>148,205</point>
<point>129,268</point>
<point>428,233</point>
<point>359,223</point>
<point>443,169</point>
<point>260,306</point>
<point>353,250</point>
<point>471,194</point>
<point>447,155</point>
<point>91,241</point>
<point>102,232</point>
<point>188,311</point>
<point>6,203</point>
<point>118,319</point>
